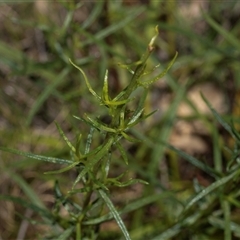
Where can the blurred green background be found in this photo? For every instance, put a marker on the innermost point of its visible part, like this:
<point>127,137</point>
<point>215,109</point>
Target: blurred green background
<point>38,86</point>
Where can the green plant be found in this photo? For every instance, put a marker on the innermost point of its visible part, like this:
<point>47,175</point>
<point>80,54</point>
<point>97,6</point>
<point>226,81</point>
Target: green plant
<point>190,195</point>
<point>91,190</point>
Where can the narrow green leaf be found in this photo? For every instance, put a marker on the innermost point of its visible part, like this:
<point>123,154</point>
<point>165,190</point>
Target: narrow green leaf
<point>164,133</point>
<point>41,211</point>
<point>153,69</point>
<point>135,117</point>
<point>116,26</point>
<point>120,95</point>
<point>37,157</point>
<point>127,183</point>
<point>66,234</point>
<point>148,115</point>
<point>235,131</point>
<point>194,161</point>
<point>99,126</point>
<point>122,119</point>
<point>96,11</point>
<point>95,124</point>
<point>220,119</point>
<point>141,119</point>
<point>160,75</point>
<point>227,219</point>
<point>132,206</point>
<point>116,103</point>
<point>94,159</point>
<point>142,100</point>
<point>126,66</point>
<point>78,151</point>
<point>86,81</point>
<point>65,138</point>
<point>123,152</point>
<point>152,42</point>
<point>45,94</point>
<point>105,96</point>
<point>211,188</point>
<point>115,214</point>
<point>217,152</point>
<point>234,41</point>
<point>220,223</point>
<point>169,233</point>
<point>93,152</point>
<point>130,139</point>
<point>82,190</point>
<point>63,169</point>
<point>29,192</point>
<point>57,191</point>
<point>89,140</point>
<point>89,123</point>
<point>105,166</point>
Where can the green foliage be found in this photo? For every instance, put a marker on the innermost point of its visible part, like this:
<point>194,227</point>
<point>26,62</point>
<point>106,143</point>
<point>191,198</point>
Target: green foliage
<point>97,166</point>
<point>94,165</point>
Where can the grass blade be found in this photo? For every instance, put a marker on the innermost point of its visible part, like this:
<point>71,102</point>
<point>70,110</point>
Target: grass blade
<point>227,219</point>
<point>226,34</point>
<point>169,233</point>
<point>123,152</point>
<point>93,15</point>
<point>69,167</point>
<point>66,234</point>
<point>29,192</point>
<point>45,94</point>
<point>86,81</point>
<point>35,156</point>
<point>163,135</point>
<point>217,156</point>
<point>211,188</point>
<point>194,161</point>
<point>137,204</point>
<point>65,138</point>
<point>115,214</point>
<point>220,223</point>
<point>221,120</point>
<point>41,211</point>
<point>115,27</point>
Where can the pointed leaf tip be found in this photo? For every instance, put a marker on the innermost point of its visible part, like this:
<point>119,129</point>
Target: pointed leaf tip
<point>151,44</point>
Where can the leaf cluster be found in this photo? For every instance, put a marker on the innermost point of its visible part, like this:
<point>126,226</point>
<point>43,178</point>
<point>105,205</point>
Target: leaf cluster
<point>93,165</point>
